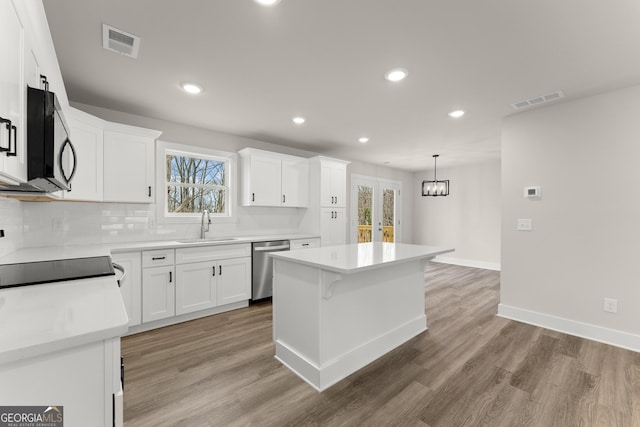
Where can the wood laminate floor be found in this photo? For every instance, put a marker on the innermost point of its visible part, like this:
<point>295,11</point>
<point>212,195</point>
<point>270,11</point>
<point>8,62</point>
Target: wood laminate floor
<point>471,368</point>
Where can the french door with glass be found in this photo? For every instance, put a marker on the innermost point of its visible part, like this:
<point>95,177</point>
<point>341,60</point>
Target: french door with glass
<point>374,210</point>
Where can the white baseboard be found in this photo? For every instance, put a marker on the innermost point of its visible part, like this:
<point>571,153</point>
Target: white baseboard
<point>185,317</point>
<point>324,376</point>
<point>579,329</point>
<point>468,263</point>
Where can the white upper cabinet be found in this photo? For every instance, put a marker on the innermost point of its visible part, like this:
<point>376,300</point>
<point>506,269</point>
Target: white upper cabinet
<point>333,183</point>
<point>87,137</point>
<point>263,181</point>
<point>295,182</point>
<point>273,179</point>
<point>129,164</point>
<point>12,96</point>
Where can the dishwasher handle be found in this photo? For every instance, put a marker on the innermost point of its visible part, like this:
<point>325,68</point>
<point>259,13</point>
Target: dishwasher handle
<point>271,248</point>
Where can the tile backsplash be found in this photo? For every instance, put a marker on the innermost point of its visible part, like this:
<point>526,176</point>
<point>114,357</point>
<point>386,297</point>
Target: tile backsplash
<point>11,222</point>
<point>36,224</point>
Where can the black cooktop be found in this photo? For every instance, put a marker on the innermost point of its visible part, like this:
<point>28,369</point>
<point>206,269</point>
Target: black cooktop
<point>33,273</point>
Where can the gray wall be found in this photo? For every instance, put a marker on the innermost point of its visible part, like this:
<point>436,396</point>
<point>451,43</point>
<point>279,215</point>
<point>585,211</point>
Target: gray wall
<point>584,245</point>
<point>468,219</point>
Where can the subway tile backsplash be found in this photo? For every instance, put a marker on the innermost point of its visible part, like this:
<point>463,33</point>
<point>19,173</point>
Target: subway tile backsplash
<point>35,224</point>
<point>11,223</point>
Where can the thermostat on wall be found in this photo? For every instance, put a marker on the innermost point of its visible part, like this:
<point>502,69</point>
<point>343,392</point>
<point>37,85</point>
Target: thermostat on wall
<point>532,192</point>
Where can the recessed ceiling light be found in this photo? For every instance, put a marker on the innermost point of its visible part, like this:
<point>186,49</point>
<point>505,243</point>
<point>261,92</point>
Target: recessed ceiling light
<point>191,88</point>
<point>267,2</point>
<point>456,114</point>
<point>298,120</point>
<point>396,74</point>
<point>363,140</point>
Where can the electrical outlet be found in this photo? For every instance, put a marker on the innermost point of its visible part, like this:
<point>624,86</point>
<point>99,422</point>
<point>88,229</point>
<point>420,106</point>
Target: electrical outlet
<point>610,305</point>
<point>525,224</point>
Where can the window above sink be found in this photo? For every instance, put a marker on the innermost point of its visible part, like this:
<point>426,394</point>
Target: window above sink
<point>192,179</point>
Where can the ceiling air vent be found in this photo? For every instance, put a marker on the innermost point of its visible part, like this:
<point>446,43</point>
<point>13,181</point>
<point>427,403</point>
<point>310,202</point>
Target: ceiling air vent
<point>537,100</point>
<point>120,41</point>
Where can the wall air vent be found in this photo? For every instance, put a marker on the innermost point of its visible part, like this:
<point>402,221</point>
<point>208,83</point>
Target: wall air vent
<point>537,100</point>
<point>120,41</point>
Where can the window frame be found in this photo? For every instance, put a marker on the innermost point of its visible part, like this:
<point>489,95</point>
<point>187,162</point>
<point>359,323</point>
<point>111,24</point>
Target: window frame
<point>164,148</point>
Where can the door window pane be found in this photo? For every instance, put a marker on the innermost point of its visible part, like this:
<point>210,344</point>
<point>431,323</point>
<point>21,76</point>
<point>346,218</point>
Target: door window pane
<point>388,215</point>
<point>365,213</point>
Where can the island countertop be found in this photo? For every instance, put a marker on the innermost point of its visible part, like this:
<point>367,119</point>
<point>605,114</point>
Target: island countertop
<point>348,259</point>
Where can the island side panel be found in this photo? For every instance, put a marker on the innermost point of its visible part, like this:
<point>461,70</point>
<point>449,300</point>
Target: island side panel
<point>296,318</point>
<point>368,314</point>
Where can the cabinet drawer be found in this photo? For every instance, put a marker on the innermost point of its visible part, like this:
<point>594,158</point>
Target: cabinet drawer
<point>158,258</point>
<point>305,243</point>
<point>210,253</point>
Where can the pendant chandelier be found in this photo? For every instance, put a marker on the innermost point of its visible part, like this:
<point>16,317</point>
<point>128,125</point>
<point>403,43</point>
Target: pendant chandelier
<point>435,187</point>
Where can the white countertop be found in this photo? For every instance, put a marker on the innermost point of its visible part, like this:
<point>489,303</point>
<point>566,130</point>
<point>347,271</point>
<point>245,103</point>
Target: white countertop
<point>347,259</point>
<point>80,251</point>
<point>44,318</point>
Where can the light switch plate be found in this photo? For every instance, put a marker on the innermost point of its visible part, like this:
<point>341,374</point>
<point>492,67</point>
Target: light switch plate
<point>525,225</point>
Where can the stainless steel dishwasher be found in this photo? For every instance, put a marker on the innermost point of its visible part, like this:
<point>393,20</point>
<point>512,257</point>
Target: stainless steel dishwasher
<point>262,267</point>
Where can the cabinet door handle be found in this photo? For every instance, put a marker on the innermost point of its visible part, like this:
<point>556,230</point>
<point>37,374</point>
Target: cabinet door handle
<point>214,271</point>
<point>149,191</point>
<point>253,197</point>
<point>170,276</point>
<point>15,142</point>
<point>156,258</point>
<point>336,200</point>
<point>283,198</point>
<point>220,270</point>
<point>7,123</point>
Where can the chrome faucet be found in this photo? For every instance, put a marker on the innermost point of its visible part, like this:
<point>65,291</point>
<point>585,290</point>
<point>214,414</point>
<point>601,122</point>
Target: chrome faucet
<point>202,227</point>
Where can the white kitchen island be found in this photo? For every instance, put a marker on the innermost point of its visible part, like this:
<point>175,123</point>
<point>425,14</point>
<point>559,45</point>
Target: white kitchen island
<point>338,308</point>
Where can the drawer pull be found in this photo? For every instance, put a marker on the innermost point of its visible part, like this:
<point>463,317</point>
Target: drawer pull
<point>305,244</point>
<point>156,258</point>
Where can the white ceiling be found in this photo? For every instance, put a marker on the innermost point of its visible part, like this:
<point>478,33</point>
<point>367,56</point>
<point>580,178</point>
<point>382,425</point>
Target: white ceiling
<point>326,60</point>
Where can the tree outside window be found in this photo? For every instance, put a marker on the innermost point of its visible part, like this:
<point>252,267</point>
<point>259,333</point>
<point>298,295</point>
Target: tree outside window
<point>195,184</point>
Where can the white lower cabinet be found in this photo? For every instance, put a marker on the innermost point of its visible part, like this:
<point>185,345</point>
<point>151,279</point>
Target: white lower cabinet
<point>313,242</point>
<point>210,276</point>
<point>84,380</point>
<point>195,287</point>
<point>209,284</point>
<point>131,284</point>
<point>234,280</point>
<point>158,293</point>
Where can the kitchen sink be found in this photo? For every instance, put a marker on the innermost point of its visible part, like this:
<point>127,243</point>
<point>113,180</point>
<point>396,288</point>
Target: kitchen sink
<point>208,239</point>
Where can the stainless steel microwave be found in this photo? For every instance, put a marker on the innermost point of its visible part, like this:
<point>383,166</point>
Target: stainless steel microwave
<point>51,158</point>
